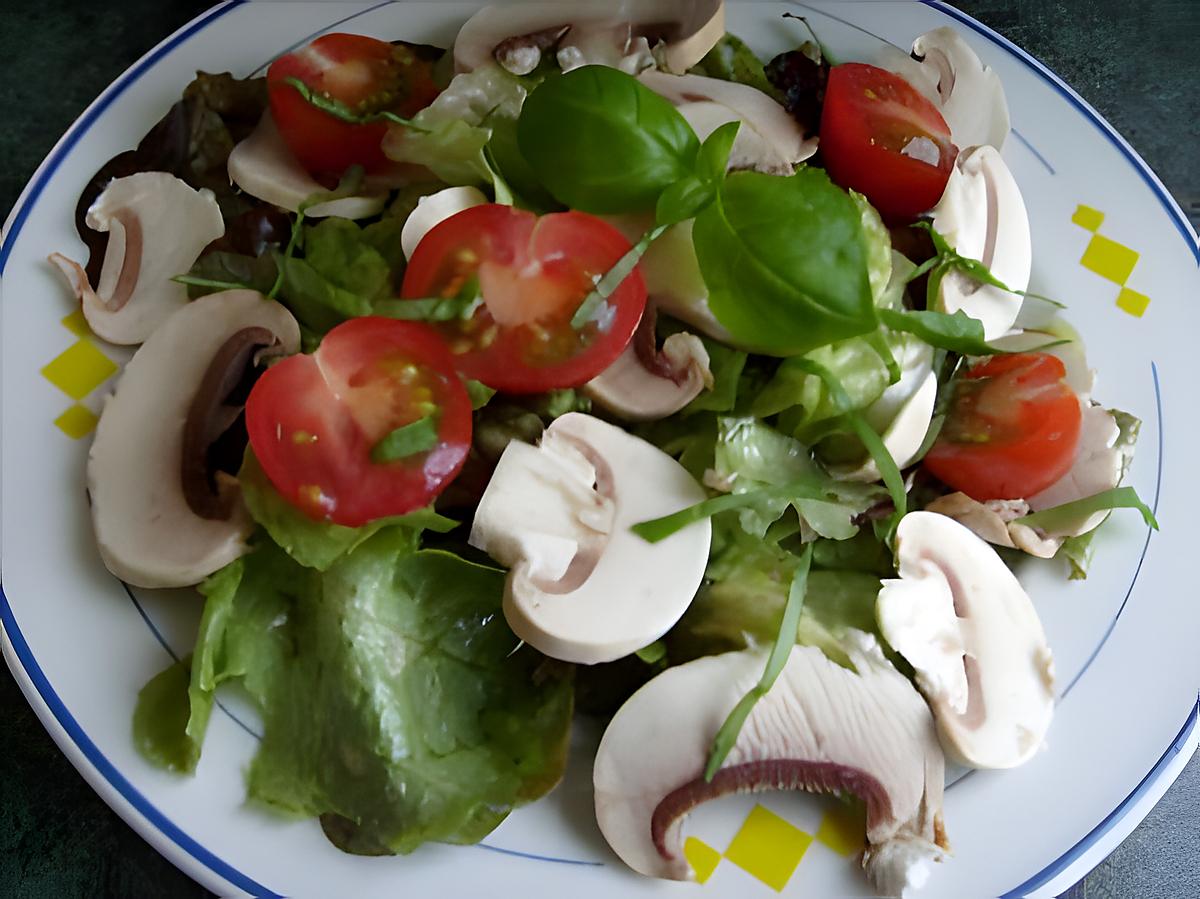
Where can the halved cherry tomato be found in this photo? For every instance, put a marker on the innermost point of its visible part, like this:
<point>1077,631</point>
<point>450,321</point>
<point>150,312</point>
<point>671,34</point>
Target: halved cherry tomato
<point>314,420</point>
<point>1012,428</point>
<point>532,273</point>
<point>881,137</point>
<point>367,75</point>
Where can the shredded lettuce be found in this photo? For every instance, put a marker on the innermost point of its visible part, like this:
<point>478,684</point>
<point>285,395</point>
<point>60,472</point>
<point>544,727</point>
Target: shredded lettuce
<point>393,705</point>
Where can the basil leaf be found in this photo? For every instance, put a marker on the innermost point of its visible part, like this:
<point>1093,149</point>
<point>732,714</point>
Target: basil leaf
<point>786,262</point>
<point>657,529</point>
<point>785,640</point>
<point>683,200</point>
<point>1117,498</point>
<point>418,436</point>
<point>713,158</point>
<point>603,142</point>
<point>958,332</point>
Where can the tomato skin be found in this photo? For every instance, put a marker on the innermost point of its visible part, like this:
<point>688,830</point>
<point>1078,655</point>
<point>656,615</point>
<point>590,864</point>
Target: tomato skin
<point>1012,428</point>
<point>869,123</point>
<point>363,73</point>
<point>313,420</point>
<point>533,274</point>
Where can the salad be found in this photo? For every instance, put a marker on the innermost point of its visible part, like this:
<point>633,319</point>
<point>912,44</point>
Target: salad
<point>593,366</point>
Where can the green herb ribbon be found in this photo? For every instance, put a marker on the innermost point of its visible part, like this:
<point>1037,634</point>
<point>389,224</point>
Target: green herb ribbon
<point>418,436</point>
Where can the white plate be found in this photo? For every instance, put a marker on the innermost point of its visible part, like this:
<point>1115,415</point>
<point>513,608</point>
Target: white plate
<point>81,645</point>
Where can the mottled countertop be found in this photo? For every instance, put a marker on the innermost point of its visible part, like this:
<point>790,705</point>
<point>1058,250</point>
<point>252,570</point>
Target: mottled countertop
<point>1137,62</point>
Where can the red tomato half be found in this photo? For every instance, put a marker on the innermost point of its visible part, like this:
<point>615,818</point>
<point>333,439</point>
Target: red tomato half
<point>367,75</point>
<point>313,421</point>
<point>881,137</point>
<point>1012,428</point>
<point>533,273</point>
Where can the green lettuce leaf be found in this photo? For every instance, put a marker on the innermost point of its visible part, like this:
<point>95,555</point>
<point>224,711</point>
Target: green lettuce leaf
<point>318,544</point>
<point>393,705</point>
<point>731,59</point>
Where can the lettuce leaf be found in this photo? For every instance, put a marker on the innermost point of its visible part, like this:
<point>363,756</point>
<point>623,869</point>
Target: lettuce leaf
<point>731,59</point>
<point>393,705</point>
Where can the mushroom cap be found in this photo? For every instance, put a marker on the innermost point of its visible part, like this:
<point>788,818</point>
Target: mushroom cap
<point>968,94</point>
<point>996,521</point>
<point>582,587</point>
<point>632,390</point>
<point>820,727</point>
<point>770,140</point>
<point>688,29</point>
<point>983,217</point>
<point>147,533</point>
<point>960,616</point>
<point>157,227</point>
<point>433,210</point>
<point>264,167</point>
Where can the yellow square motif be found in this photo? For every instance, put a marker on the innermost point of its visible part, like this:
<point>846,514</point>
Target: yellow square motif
<point>1132,302</point>
<point>76,422</point>
<point>1109,259</point>
<point>844,828</point>
<point>77,324</point>
<point>79,369</point>
<point>1087,217</point>
<point>702,857</point>
<point>768,847</point>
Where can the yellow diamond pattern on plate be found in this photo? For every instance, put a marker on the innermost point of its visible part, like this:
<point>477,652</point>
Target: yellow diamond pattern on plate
<point>768,847</point>
<point>702,857</point>
<point>1087,217</point>
<point>78,421</point>
<point>1132,302</point>
<point>77,324</point>
<point>1109,259</point>
<point>79,369</point>
<point>843,829</point>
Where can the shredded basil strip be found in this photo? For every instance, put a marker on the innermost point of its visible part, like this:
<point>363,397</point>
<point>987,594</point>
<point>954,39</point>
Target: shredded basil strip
<point>431,309</point>
<point>193,281</point>
<point>608,283</point>
<point>340,110</point>
<point>418,436</point>
<point>727,736</point>
<point>1117,498</point>
<point>661,528</point>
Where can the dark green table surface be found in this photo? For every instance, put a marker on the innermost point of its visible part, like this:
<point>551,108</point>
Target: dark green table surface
<point>1137,62</point>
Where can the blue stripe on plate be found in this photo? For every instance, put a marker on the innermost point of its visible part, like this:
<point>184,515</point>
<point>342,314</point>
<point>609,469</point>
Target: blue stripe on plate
<point>1147,174</point>
<point>109,772</point>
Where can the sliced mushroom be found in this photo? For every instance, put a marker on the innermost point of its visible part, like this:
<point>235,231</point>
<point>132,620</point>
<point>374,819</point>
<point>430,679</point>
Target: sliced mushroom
<point>901,416</point>
<point>770,140</point>
<point>820,728</point>
<point>582,587</point>
<point>997,522</point>
<point>264,167</point>
<point>433,210</point>
<point>1099,465</point>
<point>968,94</point>
<point>983,217</point>
<point>680,32</point>
<point>161,519</point>
<point>157,227</point>
<point>646,383</point>
<point>961,618</point>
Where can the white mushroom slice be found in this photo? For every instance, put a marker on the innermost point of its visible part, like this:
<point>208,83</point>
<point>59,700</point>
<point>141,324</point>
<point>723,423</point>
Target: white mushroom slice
<point>1098,466</point>
<point>968,94</point>
<point>435,209</point>
<point>901,416</point>
<point>983,217</point>
<point>138,467</point>
<point>640,389</point>
<point>681,32</point>
<point>157,227</point>
<point>821,727</point>
<point>264,167</point>
<point>957,607</point>
<point>769,140</point>
<point>997,522</point>
<point>582,586</point>
<point>1068,347</point>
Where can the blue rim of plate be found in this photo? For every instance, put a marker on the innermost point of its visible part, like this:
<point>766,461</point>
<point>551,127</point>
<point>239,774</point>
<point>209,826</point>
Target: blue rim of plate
<point>137,801</point>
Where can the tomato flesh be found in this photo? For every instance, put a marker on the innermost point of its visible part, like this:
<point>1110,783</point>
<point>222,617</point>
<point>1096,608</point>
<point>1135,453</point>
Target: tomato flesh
<point>313,421</point>
<point>881,137</point>
<point>366,74</point>
<point>1012,429</point>
<point>532,274</point>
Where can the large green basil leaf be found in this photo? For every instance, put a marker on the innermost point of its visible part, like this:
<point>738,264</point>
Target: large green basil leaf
<point>787,261</point>
<point>603,142</point>
<point>393,705</point>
